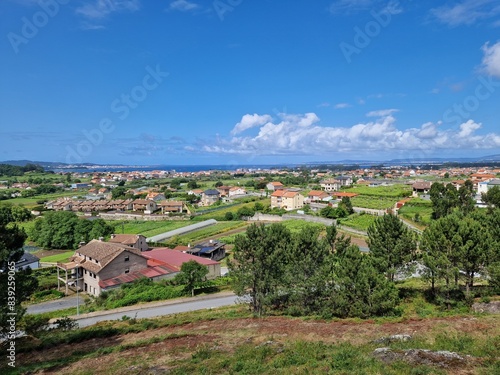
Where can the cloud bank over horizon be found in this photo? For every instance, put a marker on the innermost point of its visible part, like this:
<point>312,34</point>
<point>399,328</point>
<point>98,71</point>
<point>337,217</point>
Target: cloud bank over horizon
<point>303,134</point>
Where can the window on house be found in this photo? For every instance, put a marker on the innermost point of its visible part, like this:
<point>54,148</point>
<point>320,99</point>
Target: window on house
<point>127,258</point>
<point>96,261</point>
<point>127,270</point>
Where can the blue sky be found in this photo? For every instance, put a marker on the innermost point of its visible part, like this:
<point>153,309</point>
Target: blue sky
<point>248,82</point>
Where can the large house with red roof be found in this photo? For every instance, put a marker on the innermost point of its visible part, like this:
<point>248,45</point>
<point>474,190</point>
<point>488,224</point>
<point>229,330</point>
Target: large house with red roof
<point>100,266</point>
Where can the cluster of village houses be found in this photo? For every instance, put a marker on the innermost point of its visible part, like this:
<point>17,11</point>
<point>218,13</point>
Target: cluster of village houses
<point>281,197</point>
<point>103,265</point>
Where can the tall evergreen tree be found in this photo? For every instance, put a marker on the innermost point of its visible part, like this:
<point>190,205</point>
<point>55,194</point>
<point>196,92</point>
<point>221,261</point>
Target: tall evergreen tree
<point>474,248</point>
<point>492,197</point>
<point>444,199</point>
<point>439,253</point>
<point>259,264</point>
<point>466,194</point>
<point>307,270</point>
<point>391,244</point>
<point>358,289</point>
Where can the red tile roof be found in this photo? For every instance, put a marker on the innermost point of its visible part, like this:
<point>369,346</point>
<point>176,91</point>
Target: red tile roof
<point>176,258</point>
<point>343,194</point>
<point>150,272</point>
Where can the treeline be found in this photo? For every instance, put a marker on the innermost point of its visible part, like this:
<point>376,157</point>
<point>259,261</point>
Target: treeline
<point>304,274</point>
<point>16,170</point>
<point>65,230</point>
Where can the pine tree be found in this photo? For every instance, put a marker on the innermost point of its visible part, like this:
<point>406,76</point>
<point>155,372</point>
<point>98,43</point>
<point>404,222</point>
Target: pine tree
<point>391,244</point>
<point>307,270</point>
<point>358,289</point>
<point>259,264</point>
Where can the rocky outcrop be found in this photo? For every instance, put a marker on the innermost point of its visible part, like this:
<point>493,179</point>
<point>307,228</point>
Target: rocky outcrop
<point>490,308</point>
<point>393,338</point>
<point>442,359</point>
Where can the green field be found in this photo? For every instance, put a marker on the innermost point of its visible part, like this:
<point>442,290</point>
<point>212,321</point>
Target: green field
<point>148,228</point>
<point>31,201</point>
<point>220,227</point>
<point>374,202</point>
<point>417,206</point>
<point>219,213</point>
<point>295,226</point>
<point>62,258</point>
<point>394,191</point>
<point>358,221</point>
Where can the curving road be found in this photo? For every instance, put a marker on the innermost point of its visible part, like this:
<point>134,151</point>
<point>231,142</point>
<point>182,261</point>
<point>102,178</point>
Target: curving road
<point>158,309</point>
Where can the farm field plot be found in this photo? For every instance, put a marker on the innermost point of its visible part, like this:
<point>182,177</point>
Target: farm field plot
<point>374,202</point>
<point>31,201</point>
<point>211,231</point>
<point>417,208</point>
<point>148,228</point>
<point>295,226</point>
<point>358,221</point>
<point>219,213</point>
<point>61,257</point>
<point>393,191</point>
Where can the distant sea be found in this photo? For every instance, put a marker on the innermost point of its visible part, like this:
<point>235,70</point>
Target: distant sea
<point>177,168</point>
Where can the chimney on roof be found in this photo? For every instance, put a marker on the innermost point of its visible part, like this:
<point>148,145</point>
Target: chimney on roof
<point>189,245</point>
<point>113,235</point>
<point>101,239</point>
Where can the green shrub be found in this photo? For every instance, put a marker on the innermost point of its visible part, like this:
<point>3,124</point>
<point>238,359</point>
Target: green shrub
<point>34,324</point>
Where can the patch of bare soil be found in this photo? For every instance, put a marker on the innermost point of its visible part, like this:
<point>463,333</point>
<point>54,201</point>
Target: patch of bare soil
<point>225,334</point>
<point>359,242</point>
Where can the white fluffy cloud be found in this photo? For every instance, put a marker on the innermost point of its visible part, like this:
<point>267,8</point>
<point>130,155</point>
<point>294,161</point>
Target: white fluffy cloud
<point>250,121</point>
<point>303,135</point>
<point>491,59</point>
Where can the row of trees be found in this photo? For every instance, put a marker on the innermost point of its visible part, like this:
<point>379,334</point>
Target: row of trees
<point>305,274</point>
<point>65,230</point>
<point>16,170</point>
<point>447,199</point>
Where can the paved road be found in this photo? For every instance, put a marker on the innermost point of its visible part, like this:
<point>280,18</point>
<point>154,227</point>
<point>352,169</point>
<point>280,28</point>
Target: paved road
<point>165,308</point>
<point>60,304</point>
